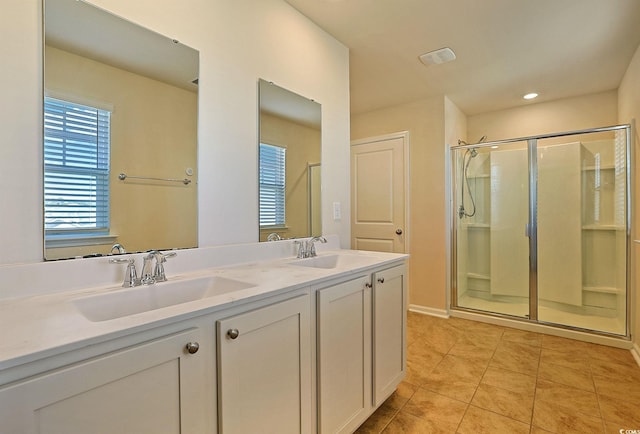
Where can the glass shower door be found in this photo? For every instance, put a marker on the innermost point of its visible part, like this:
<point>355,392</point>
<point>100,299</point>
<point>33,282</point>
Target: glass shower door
<point>492,211</point>
<point>581,234</point>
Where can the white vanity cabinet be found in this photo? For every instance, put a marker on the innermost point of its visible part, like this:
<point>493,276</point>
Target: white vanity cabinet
<point>389,331</point>
<point>264,369</point>
<point>361,346</point>
<point>344,355</point>
<point>156,386</point>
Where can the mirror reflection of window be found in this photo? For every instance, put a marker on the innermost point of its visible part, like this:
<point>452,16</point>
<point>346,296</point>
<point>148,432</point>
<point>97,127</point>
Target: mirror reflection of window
<point>272,186</point>
<point>292,122</point>
<point>93,58</point>
<point>76,169</point>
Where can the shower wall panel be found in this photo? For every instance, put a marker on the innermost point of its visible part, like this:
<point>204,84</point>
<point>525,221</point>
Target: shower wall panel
<point>509,216</point>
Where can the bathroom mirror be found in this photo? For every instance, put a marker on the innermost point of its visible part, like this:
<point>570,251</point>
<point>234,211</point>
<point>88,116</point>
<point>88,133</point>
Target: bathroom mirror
<point>120,135</point>
<point>289,164</point>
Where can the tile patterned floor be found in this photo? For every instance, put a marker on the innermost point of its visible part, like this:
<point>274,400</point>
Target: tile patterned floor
<point>469,377</point>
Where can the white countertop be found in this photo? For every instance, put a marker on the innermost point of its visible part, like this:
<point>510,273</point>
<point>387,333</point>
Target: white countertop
<point>39,326</point>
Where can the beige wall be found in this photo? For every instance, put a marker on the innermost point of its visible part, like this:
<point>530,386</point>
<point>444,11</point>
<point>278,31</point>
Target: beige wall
<point>629,110</point>
<point>427,218</point>
<point>303,148</point>
<point>588,111</point>
<point>153,133</point>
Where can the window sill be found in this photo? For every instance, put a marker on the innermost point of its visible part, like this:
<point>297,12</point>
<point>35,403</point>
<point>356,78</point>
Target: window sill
<point>57,241</point>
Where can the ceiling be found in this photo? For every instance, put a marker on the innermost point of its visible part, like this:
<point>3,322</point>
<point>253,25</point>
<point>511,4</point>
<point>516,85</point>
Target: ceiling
<point>86,30</point>
<point>504,48</point>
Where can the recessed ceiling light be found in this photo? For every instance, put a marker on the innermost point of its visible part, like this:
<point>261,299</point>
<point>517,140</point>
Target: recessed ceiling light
<point>531,95</point>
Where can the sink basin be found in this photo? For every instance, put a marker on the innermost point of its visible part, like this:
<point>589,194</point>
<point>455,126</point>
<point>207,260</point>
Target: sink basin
<point>129,301</point>
<point>333,261</point>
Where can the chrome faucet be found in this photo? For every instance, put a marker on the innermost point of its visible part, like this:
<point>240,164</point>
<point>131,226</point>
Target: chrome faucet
<point>307,249</point>
<point>147,277</point>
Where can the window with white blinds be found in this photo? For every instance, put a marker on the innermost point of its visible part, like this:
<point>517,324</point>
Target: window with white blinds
<point>76,168</point>
<point>272,185</point>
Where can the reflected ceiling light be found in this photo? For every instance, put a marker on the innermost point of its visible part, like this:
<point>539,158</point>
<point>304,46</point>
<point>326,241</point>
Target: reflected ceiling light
<point>437,57</point>
<point>531,95</point>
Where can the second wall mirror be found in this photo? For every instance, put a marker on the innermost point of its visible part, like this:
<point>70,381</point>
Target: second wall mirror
<point>289,164</point>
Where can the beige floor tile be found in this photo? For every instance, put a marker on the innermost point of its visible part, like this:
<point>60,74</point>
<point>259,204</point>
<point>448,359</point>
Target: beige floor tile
<point>617,428</point>
<point>580,379</point>
<point>456,377</point>
<point>377,422</point>
<point>614,370</point>
<point>439,409</point>
<point>575,359</point>
<point>620,411</point>
<point>402,394</point>
<point>563,344</point>
<point>478,421</point>
<point>441,339</point>
<point>557,419</point>
<point>484,339</point>
<point>523,384</point>
<point>536,430</point>
<point>612,354</point>
<point>420,363</point>
<point>516,357</point>
<point>468,349</point>
<point>618,388</point>
<point>522,337</point>
<point>504,402</point>
<point>559,395</point>
<point>405,423</point>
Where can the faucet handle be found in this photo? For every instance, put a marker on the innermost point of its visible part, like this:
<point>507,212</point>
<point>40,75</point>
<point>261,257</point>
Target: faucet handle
<point>131,276</point>
<point>158,271</point>
<point>301,248</point>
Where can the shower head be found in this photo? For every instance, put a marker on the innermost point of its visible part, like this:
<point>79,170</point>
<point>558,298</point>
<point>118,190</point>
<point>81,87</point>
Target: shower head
<point>462,142</point>
<point>474,152</point>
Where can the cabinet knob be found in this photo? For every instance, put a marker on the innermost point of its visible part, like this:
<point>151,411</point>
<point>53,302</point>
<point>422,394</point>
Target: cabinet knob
<point>399,231</point>
<point>368,285</point>
<point>193,347</point>
<point>381,279</point>
<point>233,333</point>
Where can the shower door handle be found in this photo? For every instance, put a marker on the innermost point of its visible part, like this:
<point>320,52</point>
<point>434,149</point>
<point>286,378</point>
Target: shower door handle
<point>527,230</point>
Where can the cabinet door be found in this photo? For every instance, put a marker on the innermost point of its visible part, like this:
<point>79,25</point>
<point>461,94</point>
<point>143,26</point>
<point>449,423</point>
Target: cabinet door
<point>344,355</point>
<point>389,331</point>
<point>264,369</point>
<point>155,387</point>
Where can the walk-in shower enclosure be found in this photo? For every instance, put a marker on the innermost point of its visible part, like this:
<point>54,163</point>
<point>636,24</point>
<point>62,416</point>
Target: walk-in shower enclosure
<point>541,229</point>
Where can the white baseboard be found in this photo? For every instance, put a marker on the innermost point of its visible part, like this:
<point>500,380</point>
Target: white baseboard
<point>635,352</point>
<point>440,313</point>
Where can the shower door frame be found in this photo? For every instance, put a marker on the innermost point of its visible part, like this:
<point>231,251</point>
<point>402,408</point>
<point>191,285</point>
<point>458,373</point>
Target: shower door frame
<point>532,227</point>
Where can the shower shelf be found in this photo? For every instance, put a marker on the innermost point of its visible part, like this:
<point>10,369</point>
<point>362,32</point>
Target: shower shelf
<point>478,225</point>
<point>478,276</point>
<point>603,228</point>
<point>603,289</point>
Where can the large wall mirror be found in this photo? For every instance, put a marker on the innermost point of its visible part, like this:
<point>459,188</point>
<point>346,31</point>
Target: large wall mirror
<point>120,135</point>
<point>289,164</point>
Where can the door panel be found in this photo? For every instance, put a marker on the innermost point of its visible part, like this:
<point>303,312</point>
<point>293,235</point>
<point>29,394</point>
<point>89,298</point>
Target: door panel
<point>378,194</point>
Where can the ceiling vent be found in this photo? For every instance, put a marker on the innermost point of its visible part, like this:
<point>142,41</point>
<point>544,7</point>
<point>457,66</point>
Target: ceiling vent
<point>437,57</point>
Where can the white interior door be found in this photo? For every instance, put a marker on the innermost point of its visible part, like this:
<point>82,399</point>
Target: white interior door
<point>378,193</point>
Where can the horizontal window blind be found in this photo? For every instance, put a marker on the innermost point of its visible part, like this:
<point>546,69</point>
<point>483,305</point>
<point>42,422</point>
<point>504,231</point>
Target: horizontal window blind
<point>76,167</point>
<point>272,185</point>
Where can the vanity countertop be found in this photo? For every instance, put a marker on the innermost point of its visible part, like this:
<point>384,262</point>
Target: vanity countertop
<point>44,325</point>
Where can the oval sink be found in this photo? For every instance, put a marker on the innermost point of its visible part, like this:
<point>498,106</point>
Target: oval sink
<point>333,261</point>
<point>129,301</point>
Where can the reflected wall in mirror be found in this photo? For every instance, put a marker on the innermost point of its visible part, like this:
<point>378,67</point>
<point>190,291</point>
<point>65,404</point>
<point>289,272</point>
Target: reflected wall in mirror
<point>119,98</point>
<point>289,164</point>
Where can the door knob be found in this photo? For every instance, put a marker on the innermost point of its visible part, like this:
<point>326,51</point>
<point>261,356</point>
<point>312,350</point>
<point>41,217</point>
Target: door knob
<point>193,347</point>
<point>399,231</point>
